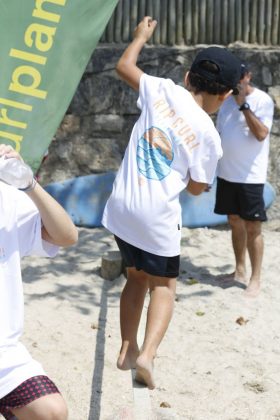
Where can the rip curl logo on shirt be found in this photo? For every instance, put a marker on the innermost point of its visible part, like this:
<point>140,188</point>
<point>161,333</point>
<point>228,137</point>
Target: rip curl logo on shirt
<point>154,154</point>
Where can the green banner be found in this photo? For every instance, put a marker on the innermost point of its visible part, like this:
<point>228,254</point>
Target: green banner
<point>44,49</point>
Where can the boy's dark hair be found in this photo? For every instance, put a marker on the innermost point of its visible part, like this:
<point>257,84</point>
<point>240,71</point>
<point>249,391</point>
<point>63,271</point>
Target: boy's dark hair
<point>200,84</point>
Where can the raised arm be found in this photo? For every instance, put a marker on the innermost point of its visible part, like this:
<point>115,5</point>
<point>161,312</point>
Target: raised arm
<point>127,68</point>
<point>257,128</point>
<point>57,228</point>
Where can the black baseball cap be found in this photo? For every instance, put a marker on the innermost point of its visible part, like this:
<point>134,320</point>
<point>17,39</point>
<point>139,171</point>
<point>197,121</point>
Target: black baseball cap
<point>229,67</point>
<point>244,70</point>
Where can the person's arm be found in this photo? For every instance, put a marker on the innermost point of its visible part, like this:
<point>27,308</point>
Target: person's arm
<point>58,228</point>
<point>196,188</point>
<point>257,128</point>
<point>126,67</point>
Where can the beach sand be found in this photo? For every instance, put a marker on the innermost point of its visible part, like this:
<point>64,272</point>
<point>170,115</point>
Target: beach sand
<point>208,367</point>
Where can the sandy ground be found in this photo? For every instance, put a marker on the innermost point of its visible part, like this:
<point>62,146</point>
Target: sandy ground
<point>208,367</point>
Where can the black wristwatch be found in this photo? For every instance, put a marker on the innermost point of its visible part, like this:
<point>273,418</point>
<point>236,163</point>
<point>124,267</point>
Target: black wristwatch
<point>244,107</point>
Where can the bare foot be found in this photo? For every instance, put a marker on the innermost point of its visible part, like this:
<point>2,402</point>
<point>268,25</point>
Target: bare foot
<point>253,289</point>
<point>144,372</point>
<point>127,358</point>
<point>227,278</point>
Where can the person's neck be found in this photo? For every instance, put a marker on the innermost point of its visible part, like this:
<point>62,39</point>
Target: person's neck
<point>206,101</point>
<point>249,89</point>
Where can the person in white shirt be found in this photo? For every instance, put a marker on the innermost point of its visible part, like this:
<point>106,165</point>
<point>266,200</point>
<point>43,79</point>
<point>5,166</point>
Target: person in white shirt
<point>31,222</point>
<point>244,122</point>
<point>173,145</point>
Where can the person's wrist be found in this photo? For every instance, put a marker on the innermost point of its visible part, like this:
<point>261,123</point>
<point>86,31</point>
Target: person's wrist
<point>141,39</point>
<point>244,107</point>
<point>30,187</point>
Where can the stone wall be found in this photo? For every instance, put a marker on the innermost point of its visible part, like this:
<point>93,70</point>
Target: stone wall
<point>94,132</point>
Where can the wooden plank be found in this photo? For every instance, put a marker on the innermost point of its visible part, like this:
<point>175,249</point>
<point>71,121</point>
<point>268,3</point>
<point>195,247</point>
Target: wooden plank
<point>268,22</point>
<point>142,9</point>
<point>118,21</point>
<point>195,14</point>
<point>163,22</point>
<point>231,20</point>
<point>209,22</point>
<point>108,35</point>
<point>275,23</point>
<point>217,22</point>
<point>224,22</point>
<point>134,20</point>
<point>187,22</point>
<point>156,15</point>
<point>253,21</point>
<point>238,20</point>
<point>171,33</point>
<point>179,26</point>
<point>260,22</point>
<point>246,20</point>
<point>202,19</point>
<point>126,21</point>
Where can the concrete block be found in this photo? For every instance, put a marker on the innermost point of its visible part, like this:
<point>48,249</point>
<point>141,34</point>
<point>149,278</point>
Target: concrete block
<point>111,265</point>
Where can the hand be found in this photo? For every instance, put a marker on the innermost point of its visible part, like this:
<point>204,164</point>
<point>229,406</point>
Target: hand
<point>241,97</point>
<point>13,170</point>
<point>8,152</point>
<point>145,28</point>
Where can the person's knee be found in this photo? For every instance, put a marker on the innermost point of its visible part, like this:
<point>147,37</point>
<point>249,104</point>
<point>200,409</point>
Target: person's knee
<point>56,407</point>
<point>253,228</point>
<point>235,220</point>
<point>169,284</point>
<point>50,407</point>
<point>56,412</point>
<point>59,412</point>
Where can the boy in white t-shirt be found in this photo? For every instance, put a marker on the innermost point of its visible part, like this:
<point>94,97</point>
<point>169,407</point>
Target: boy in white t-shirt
<point>31,222</point>
<point>174,145</point>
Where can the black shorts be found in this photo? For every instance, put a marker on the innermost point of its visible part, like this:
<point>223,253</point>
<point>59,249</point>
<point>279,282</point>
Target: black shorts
<point>244,200</point>
<point>155,265</point>
<point>30,390</point>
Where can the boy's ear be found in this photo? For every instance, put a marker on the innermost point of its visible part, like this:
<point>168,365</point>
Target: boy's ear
<point>225,95</point>
<point>186,80</point>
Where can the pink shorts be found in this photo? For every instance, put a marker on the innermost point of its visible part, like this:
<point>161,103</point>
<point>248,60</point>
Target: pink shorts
<point>30,390</point>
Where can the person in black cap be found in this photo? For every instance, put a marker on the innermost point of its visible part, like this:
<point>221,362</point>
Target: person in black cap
<point>174,145</point>
<point>244,122</point>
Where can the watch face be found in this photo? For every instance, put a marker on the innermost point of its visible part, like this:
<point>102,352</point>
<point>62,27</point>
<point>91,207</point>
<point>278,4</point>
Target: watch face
<point>244,106</point>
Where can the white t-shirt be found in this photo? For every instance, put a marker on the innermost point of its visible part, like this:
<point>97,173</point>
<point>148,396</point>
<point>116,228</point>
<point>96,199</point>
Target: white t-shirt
<point>173,140</point>
<point>245,159</point>
<point>20,235</point>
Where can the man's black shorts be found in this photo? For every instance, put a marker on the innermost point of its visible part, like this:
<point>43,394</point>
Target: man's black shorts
<point>245,200</point>
<point>155,265</point>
